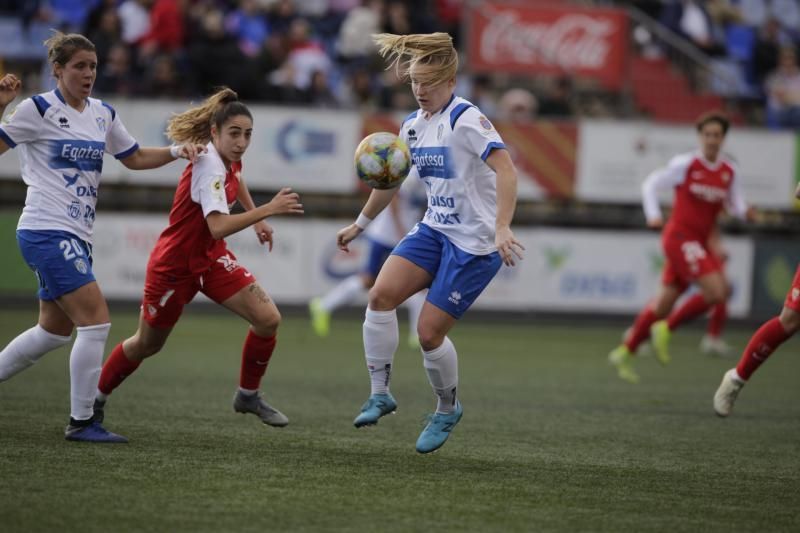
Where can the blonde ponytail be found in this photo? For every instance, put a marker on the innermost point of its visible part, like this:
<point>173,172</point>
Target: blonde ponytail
<point>433,50</point>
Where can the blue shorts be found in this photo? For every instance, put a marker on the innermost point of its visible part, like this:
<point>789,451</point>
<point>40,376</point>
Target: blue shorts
<point>378,254</point>
<point>458,276</point>
<point>61,261</point>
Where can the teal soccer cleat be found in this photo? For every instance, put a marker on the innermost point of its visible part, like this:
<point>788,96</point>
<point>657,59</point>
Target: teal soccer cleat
<point>438,430</point>
<point>375,407</point>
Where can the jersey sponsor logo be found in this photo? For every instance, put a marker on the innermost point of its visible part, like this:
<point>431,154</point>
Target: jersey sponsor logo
<point>444,219</point>
<point>442,201</point>
<point>70,179</point>
<point>80,155</point>
<point>708,193</point>
<point>433,162</point>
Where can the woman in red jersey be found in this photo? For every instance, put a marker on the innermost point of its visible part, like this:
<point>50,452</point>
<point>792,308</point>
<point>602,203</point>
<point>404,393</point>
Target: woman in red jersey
<point>705,182</point>
<point>191,255</point>
<point>766,340</point>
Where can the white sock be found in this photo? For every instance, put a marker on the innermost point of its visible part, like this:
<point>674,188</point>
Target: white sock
<point>441,365</point>
<point>27,348</point>
<point>85,362</point>
<point>414,305</point>
<point>381,337</point>
<point>343,293</point>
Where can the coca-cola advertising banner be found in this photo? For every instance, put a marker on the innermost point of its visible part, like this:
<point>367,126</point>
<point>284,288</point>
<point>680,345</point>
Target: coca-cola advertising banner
<point>539,38</point>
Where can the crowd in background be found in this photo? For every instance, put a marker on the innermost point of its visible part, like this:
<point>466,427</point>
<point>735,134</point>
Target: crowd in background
<point>318,52</point>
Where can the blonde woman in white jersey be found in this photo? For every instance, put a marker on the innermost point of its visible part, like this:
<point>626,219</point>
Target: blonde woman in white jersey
<point>461,242</point>
<point>61,137</point>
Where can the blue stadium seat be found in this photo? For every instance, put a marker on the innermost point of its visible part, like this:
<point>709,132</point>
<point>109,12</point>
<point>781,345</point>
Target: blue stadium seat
<point>740,41</point>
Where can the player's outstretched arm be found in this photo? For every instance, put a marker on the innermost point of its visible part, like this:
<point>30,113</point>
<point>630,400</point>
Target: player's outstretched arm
<point>508,246</point>
<point>377,202</point>
<point>263,230</point>
<point>10,86</point>
<point>154,157</point>
<point>285,202</point>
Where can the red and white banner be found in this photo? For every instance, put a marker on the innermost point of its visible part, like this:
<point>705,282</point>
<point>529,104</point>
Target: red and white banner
<point>538,38</point>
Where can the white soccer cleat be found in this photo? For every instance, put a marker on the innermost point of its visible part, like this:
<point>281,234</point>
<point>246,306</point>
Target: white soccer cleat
<point>727,392</point>
<point>711,345</point>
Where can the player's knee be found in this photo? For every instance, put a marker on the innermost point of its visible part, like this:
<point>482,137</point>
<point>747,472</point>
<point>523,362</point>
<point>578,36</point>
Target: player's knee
<point>266,324</point>
<point>790,320</point>
<point>380,300</point>
<point>429,338</point>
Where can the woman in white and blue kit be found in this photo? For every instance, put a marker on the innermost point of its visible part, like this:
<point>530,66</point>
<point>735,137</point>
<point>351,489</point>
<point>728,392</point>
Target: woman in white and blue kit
<point>459,245</point>
<point>61,137</point>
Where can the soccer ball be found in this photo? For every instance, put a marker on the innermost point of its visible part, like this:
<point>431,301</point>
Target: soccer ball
<point>382,160</point>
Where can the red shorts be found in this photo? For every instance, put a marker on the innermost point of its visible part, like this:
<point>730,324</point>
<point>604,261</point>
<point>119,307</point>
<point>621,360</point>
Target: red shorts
<point>165,294</point>
<point>793,297</point>
<point>687,260</point>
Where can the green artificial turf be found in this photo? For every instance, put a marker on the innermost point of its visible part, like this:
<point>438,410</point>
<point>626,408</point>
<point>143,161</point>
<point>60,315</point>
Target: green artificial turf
<point>551,440</point>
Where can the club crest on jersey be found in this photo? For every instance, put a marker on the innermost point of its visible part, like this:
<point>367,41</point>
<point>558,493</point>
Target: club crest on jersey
<point>74,209</point>
<point>101,124</point>
<point>485,123</point>
<point>439,132</point>
<point>81,266</point>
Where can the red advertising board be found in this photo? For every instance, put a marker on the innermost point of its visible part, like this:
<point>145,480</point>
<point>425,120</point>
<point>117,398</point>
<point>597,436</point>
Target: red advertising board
<point>539,38</point>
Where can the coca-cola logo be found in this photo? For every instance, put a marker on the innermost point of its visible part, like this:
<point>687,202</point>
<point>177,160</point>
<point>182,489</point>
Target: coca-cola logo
<point>573,41</point>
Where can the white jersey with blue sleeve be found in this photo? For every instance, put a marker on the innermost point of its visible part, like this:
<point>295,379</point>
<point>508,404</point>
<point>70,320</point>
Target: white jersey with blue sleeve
<point>61,159</point>
<point>449,153</point>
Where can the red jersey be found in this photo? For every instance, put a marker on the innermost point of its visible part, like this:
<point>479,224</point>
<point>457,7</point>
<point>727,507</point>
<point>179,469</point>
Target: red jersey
<point>702,190</point>
<point>186,246</point>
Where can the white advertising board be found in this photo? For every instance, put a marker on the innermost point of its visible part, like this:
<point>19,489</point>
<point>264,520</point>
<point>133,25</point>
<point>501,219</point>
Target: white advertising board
<point>615,157</point>
<point>563,270</point>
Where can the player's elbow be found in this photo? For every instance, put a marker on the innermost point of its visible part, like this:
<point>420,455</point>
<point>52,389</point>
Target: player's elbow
<point>216,225</point>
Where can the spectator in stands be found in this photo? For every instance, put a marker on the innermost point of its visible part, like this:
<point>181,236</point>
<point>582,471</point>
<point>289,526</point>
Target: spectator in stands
<point>771,38</point>
<point>134,17</point>
<point>558,102</point>
<point>397,20</point>
<point>482,95</point>
<point>783,91</point>
<point>249,25</point>
<point>355,41</point>
<point>162,79</point>
<point>106,33</point>
<point>319,93</point>
<point>115,76</point>
<point>305,57</point>
<point>166,33</point>
<point>690,19</point>
<point>517,105</point>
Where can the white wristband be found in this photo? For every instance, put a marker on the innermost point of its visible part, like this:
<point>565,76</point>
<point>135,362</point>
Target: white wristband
<point>175,150</point>
<point>363,221</point>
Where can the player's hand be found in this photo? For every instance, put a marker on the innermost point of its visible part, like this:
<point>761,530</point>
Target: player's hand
<point>655,223</point>
<point>345,236</point>
<point>286,202</point>
<point>191,151</point>
<point>10,86</point>
<point>508,246</point>
<point>264,233</point>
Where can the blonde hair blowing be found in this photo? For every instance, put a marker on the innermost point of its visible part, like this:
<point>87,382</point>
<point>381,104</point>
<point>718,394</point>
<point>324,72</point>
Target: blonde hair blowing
<point>434,51</point>
<point>194,124</point>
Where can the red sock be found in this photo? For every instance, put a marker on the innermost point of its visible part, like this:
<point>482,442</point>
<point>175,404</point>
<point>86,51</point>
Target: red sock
<point>761,345</point>
<point>256,354</point>
<point>116,368</point>
<point>641,329</point>
<point>693,307</point>
<point>719,315</point>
